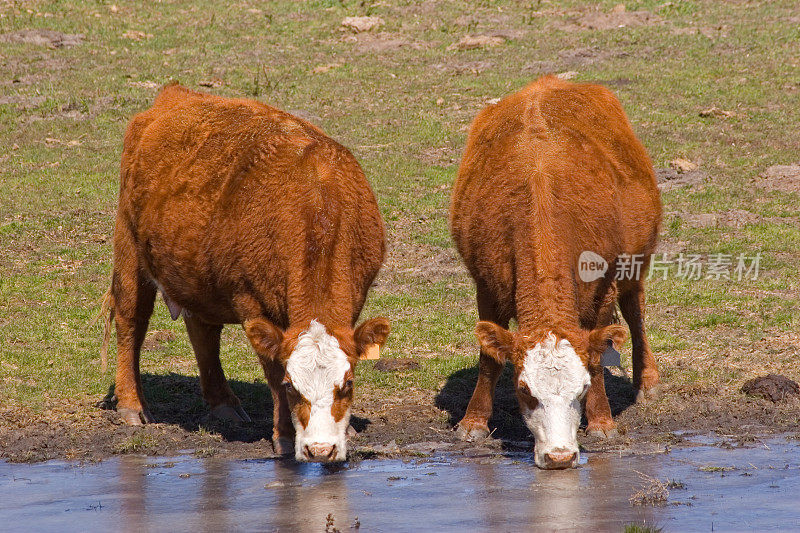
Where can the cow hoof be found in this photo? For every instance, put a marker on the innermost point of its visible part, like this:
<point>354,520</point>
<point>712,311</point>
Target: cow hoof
<point>602,433</point>
<point>469,432</point>
<point>230,413</point>
<point>133,417</point>
<point>283,446</point>
<point>648,394</point>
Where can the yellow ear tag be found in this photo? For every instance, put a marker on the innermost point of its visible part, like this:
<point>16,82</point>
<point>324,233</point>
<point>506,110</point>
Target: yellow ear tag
<point>373,351</point>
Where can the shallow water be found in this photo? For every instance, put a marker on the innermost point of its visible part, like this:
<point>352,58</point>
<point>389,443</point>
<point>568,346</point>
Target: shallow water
<point>725,490</point>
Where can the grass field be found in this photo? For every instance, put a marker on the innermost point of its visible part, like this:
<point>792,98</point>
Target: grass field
<point>401,98</point>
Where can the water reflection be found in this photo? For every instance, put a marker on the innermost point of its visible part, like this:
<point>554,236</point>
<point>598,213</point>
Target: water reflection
<point>132,490</point>
<point>757,487</point>
<point>308,494</point>
<point>214,504</point>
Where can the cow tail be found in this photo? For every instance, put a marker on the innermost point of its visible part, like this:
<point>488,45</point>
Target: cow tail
<point>107,313</point>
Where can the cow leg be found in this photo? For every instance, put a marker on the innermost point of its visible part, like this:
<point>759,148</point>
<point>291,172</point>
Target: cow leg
<point>217,393</point>
<point>134,295</point>
<point>600,423</point>
<point>475,423</point>
<point>282,427</point>
<point>645,370</point>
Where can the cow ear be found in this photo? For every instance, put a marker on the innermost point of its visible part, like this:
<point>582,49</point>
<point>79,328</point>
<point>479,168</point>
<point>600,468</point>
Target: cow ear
<point>496,342</point>
<point>598,338</point>
<point>373,331</point>
<point>265,337</point>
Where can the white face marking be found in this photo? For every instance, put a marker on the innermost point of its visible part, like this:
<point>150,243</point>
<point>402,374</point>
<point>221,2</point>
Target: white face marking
<point>558,380</point>
<point>317,365</point>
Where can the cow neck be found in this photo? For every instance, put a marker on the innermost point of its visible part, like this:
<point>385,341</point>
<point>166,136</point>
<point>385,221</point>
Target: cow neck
<point>546,298</point>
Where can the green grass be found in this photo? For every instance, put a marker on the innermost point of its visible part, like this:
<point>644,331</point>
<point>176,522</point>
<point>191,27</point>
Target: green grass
<point>403,112</point>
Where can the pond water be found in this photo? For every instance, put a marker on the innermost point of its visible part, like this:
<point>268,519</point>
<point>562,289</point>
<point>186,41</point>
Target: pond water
<point>743,488</point>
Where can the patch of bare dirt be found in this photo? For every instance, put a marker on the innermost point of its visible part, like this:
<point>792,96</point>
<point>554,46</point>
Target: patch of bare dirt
<point>407,259</point>
<point>23,103</point>
<point>784,178</point>
<point>462,67</point>
<point>157,339</point>
<point>382,42</point>
<point>734,218</point>
<point>397,364</point>
<point>618,17</point>
<point>442,156</point>
<point>49,38</point>
<point>670,178</point>
<point>471,42</point>
<point>712,32</point>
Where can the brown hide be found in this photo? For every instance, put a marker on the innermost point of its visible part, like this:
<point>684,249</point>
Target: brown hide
<point>547,173</point>
<point>240,213</point>
<point>239,210</point>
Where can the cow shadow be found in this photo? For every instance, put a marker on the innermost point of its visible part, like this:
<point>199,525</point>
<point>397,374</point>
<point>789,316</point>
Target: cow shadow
<point>506,422</point>
<point>176,399</point>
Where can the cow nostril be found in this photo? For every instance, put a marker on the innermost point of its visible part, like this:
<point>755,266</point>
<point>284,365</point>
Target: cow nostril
<point>307,452</point>
<point>560,459</point>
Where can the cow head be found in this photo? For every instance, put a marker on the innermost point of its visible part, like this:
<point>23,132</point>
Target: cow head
<point>551,380</point>
<point>313,366</point>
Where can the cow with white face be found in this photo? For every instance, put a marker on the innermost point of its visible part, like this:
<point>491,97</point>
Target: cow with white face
<point>551,175</point>
<point>310,371</point>
<point>240,213</point>
<point>551,381</point>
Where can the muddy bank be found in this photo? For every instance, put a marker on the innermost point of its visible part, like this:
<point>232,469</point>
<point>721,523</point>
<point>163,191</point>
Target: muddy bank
<point>412,424</point>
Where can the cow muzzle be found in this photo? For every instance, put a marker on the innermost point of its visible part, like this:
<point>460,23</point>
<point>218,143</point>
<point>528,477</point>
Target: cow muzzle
<point>557,459</point>
<point>320,453</point>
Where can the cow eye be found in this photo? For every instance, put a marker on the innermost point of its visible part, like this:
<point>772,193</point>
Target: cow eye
<point>346,387</point>
<point>524,389</point>
<point>288,387</point>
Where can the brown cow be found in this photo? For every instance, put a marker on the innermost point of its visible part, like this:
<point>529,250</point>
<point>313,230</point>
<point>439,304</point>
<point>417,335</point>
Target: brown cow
<point>549,173</point>
<point>240,213</point>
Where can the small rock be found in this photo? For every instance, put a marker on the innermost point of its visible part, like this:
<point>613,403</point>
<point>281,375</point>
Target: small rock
<point>468,42</point>
<point>773,387</point>
<point>395,365</point>
<point>566,75</point>
<point>683,165</point>
<point>619,8</point>
<point>362,24</point>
